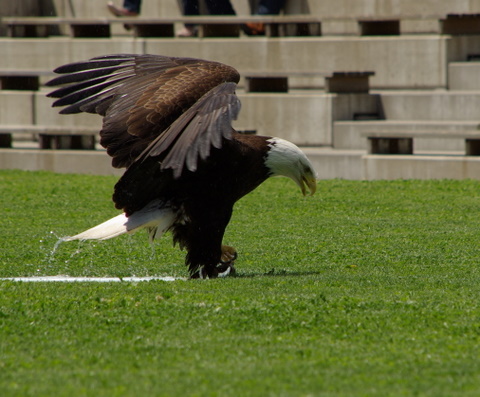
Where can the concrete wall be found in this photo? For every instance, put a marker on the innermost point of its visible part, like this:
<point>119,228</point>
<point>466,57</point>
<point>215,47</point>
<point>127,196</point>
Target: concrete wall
<point>62,161</point>
<point>464,76</point>
<point>347,135</point>
<point>359,166</point>
<point>46,115</point>
<point>305,119</point>
<point>425,105</point>
<point>383,55</point>
<point>416,111</point>
<point>391,58</point>
<point>47,54</point>
<point>17,107</point>
<point>24,8</point>
<point>329,164</point>
<point>332,164</point>
<point>460,47</point>
<point>420,167</point>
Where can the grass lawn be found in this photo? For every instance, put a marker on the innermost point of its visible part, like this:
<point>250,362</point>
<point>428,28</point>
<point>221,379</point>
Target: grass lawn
<point>365,289</point>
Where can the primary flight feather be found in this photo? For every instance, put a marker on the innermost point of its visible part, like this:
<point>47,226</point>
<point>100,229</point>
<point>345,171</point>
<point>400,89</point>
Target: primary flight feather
<point>168,121</point>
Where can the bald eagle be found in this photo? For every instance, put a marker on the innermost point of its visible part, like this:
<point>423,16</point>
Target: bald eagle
<point>168,121</point>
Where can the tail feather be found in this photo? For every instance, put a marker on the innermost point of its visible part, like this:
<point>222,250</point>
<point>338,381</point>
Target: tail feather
<point>112,228</point>
<point>156,220</point>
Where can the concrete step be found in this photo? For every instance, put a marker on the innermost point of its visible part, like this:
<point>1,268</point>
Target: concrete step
<point>329,163</point>
<point>423,58</point>
<point>303,117</point>
<point>61,161</point>
<point>423,105</point>
<point>311,118</point>
<point>420,167</point>
<point>464,76</point>
<point>347,135</point>
<point>17,107</point>
<point>357,165</point>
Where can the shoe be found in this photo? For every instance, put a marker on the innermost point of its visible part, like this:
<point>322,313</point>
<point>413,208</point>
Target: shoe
<point>120,12</point>
<point>254,29</point>
<point>188,32</point>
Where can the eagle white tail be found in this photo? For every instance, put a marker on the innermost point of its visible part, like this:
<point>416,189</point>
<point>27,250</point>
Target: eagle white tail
<point>155,216</point>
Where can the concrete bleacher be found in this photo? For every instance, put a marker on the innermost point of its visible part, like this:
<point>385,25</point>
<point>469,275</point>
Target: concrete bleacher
<point>403,62</point>
<point>423,82</point>
<point>464,76</point>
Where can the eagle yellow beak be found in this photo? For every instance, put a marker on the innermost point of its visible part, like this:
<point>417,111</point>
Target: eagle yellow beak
<point>308,181</point>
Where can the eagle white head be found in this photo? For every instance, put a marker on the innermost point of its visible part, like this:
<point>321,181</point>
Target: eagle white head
<point>285,159</point>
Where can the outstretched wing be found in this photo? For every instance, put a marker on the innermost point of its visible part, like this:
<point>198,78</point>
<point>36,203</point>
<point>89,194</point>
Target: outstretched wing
<point>175,108</point>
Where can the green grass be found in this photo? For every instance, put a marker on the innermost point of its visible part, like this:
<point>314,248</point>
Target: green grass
<point>365,289</point>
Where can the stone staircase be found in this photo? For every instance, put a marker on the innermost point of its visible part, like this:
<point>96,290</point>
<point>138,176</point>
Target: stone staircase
<point>423,81</point>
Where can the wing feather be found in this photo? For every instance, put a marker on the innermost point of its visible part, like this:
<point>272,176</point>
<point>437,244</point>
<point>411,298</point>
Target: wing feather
<point>174,108</point>
<point>204,125</point>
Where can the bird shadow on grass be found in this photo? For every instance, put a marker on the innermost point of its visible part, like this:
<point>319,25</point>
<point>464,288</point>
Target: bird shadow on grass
<point>279,273</point>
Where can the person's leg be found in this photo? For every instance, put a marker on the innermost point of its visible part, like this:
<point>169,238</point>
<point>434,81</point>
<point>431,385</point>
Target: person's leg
<point>220,7</point>
<point>270,7</point>
<point>190,8</point>
<point>130,8</point>
<point>265,7</point>
<point>132,5</point>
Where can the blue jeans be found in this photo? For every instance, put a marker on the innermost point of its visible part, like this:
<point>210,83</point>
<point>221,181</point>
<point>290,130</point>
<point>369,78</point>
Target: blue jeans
<point>132,5</point>
<point>215,7</point>
<point>270,7</point>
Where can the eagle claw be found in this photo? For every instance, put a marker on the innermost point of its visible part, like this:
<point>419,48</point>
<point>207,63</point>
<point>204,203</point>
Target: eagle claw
<point>223,269</point>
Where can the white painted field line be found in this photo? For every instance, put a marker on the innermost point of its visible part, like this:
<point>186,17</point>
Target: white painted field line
<point>68,279</point>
